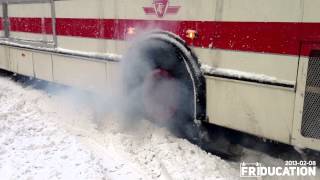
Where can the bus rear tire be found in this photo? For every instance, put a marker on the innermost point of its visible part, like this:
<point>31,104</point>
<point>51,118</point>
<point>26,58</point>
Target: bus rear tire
<point>162,85</point>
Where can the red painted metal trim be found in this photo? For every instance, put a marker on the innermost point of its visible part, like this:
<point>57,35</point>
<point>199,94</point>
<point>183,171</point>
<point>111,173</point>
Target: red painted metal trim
<point>149,10</point>
<point>263,37</point>
<point>31,25</point>
<point>1,24</point>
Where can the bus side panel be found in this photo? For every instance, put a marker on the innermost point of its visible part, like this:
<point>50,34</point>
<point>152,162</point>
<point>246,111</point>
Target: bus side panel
<point>82,73</point>
<point>4,58</point>
<point>43,66</point>
<point>297,138</point>
<point>21,62</point>
<point>310,13</point>
<point>261,110</point>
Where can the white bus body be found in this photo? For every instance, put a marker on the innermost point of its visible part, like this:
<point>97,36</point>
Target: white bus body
<point>259,50</point>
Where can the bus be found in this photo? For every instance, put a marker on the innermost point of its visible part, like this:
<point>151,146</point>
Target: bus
<point>250,65</point>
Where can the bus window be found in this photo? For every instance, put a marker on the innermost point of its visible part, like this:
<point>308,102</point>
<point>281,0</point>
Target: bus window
<point>29,22</point>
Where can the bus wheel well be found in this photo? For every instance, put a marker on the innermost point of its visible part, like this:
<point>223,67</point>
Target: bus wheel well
<point>164,53</point>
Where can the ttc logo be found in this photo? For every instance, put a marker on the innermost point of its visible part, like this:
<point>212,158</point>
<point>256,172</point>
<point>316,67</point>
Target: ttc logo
<point>161,8</point>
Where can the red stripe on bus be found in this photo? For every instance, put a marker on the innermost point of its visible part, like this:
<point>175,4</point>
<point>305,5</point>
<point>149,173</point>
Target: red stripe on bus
<point>1,24</point>
<point>263,37</point>
<point>31,25</point>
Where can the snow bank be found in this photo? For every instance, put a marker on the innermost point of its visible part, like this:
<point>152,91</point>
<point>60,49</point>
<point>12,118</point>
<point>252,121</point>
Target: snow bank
<point>33,146</point>
<point>154,150</point>
<point>167,157</point>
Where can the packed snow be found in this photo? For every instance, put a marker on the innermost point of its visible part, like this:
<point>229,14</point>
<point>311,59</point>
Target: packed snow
<point>62,136</point>
<point>50,136</point>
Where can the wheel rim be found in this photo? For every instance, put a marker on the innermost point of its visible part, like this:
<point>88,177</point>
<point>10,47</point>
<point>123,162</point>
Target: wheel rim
<point>161,97</point>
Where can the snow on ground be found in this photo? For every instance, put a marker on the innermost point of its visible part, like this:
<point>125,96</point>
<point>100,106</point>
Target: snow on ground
<point>33,146</point>
<point>45,136</point>
<point>61,136</point>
